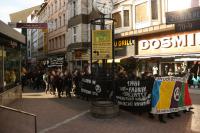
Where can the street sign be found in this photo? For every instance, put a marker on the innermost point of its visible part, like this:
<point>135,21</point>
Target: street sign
<point>32,25</point>
<point>191,14</point>
<point>28,25</point>
<point>188,26</point>
<point>101,44</point>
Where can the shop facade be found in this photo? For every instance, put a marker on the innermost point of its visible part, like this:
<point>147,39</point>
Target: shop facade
<point>10,63</point>
<point>168,53</point>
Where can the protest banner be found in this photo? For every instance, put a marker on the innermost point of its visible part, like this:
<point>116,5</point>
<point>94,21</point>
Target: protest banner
<point>170,95</point>
<point>97,88</point>
<point>133,93</point>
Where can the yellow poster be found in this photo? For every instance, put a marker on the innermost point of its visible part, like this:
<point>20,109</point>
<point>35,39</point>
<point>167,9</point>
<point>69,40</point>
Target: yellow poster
<point>101,44</point>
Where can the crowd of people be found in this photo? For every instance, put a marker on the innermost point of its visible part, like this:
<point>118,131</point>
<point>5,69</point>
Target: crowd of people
<point>58,82</point>
<point>54,80</point>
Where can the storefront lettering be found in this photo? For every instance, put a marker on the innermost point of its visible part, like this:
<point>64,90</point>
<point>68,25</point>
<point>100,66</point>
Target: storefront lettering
<point>169,42</point>
<point>124,42</point>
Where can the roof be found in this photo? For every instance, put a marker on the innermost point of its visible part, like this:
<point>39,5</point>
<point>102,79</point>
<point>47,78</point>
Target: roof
<point>11,33</point>
<point>22,15</point>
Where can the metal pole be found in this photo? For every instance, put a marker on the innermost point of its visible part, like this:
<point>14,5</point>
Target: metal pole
<point>113,62</point>
<point>35,124</point>
<point>91,27</point>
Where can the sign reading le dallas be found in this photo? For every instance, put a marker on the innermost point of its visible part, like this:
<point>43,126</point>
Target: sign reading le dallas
<point>182,43</point>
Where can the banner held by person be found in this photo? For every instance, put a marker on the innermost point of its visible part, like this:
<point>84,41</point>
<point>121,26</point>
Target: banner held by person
<point>170,94</point>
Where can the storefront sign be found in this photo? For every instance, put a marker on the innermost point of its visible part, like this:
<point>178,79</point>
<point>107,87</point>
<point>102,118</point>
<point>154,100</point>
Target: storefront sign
<point>32,25</point>
<point>101,44</point>
<point>124,42</point>
<point>56,61</point>
<point>192,14</point>
<point>188,26</point>
<point>171,44</point>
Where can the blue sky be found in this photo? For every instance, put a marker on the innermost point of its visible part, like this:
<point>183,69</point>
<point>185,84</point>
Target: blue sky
<point>10,6</point>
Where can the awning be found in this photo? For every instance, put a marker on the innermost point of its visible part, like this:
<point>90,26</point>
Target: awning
<point>192,55</point>
<point>118,59</point>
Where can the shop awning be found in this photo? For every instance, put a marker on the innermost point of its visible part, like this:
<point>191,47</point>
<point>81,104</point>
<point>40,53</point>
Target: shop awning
<point>118,59</point>
<point>188,57</point>
<point>11,33</point>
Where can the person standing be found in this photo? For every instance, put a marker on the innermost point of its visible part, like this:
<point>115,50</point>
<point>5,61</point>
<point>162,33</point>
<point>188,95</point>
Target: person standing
<point>68,83</point>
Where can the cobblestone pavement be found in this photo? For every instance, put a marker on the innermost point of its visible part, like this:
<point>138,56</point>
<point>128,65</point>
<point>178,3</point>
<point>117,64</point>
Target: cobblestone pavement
<point>72,116</point>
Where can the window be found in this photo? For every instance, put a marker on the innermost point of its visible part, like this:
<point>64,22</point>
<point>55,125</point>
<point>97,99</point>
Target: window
<point>126,18</point>
<point>63,40</point>
<point>141,13</point>
<point>60,4</point>
<point>74,34</point>
<point>56,24</point>
<point>117,17</point>
<point>49,10</point>
<point>52,9</point>
<point>74,8</point>
<point>56,5</point>
<point>63,2</point>
<point>56,43</point>
<point>29,53</point>
<point>11,65</point>
<point>60,41</point>
<point>63,19</point>
<point>154,9</point>
<point>60,20</point>
<point>174,5</point>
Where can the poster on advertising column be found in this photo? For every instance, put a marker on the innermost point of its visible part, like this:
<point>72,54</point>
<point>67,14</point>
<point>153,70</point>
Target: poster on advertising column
<point>101,44</point>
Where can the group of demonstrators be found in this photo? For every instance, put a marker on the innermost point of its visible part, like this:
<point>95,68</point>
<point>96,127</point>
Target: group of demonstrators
<point>148,93</point>
<point>54,80</point>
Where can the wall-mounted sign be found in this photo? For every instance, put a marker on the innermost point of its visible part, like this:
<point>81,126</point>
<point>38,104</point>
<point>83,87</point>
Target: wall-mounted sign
<point>56,61</point>
<point>191,14</point>
<point>101,44</point>
<point>171,44</point>
<point>32,25</point>
<point>187,26</point>
<point>129,41</point>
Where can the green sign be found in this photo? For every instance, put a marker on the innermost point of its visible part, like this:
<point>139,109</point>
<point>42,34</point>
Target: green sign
<point>101,44</point>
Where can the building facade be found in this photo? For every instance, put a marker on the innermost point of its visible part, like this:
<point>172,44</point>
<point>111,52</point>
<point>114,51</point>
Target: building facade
<point>57,29</point>
<point>32,39</point>
<point>159,48</point>
<point>42,34</point>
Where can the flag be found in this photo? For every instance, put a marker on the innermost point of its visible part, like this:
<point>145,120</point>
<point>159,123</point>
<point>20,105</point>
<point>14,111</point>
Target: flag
<point>170,96</point>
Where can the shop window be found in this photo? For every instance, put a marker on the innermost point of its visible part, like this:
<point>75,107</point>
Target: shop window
<point>141,13</point>
<point>11,66</point>
<point>154,9</point>
<point>118,19</point>
<point>126,18</point>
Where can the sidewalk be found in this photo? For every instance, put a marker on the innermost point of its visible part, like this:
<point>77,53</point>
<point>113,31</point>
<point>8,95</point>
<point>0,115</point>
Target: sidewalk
<point>72,116</point>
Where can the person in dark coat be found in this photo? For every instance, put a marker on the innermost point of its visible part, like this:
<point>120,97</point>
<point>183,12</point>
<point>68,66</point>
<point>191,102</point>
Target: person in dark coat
<point>67,83</point>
